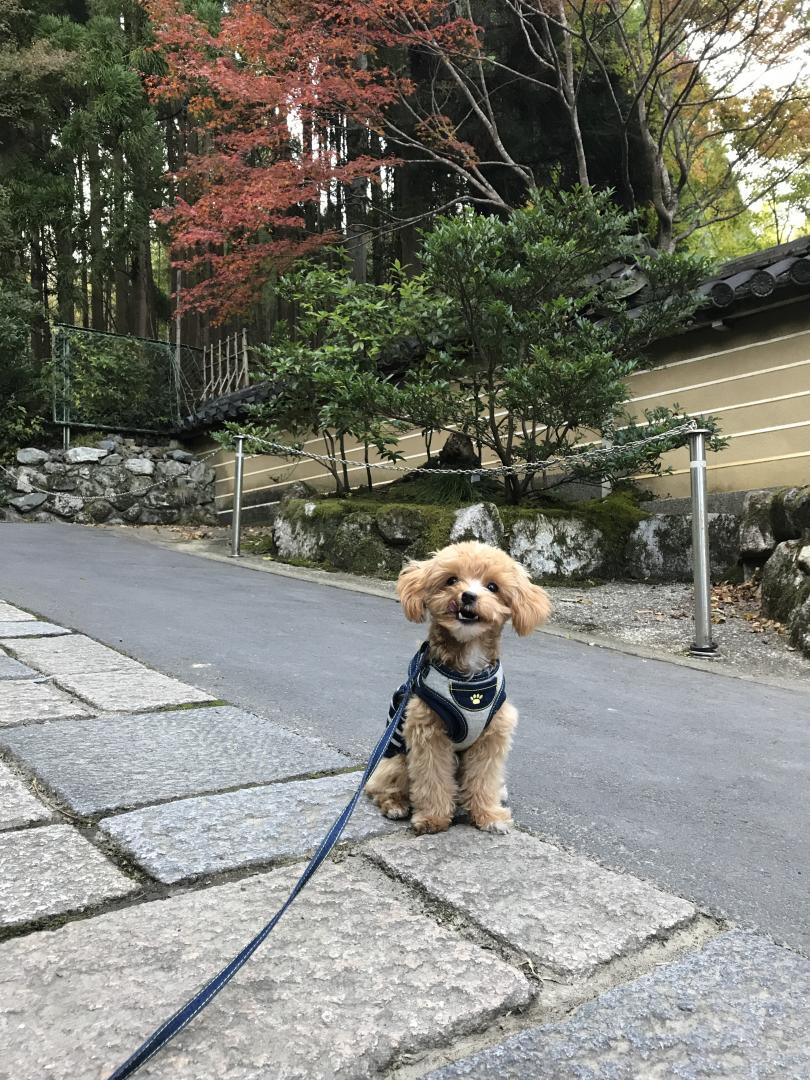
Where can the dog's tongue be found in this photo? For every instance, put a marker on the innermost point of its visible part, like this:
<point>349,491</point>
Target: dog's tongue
<point>452,608</point>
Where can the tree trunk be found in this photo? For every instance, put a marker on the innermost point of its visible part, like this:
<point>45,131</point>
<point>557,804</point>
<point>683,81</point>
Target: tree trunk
<point>84,294</point>
<point>40,330</point>
<point>65,269</point>
<point>97,249</point>
<point>121,252</point>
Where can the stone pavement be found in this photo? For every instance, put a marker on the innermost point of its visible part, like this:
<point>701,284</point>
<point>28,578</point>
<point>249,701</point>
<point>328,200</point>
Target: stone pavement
<point>145,832</point>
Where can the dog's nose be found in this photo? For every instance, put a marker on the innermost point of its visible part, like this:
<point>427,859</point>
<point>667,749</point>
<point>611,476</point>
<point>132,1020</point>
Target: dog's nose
<point>468,598</point>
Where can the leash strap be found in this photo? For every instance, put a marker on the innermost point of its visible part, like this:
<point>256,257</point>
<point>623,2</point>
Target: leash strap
<point>175,1024</point>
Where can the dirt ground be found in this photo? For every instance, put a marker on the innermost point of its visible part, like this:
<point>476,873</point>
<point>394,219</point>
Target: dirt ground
<point>660,617</point>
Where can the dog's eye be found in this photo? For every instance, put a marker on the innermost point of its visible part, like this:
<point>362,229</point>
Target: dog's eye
<point>492,587</point>
<point>452,581</point>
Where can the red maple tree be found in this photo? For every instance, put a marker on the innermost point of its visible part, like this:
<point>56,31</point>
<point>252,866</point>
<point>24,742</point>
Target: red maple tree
<point>263,90</point>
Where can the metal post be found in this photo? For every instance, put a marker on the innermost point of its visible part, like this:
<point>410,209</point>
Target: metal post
<point>236,513</point>
<point>701,570</point>
<point>178,344</point>
<point>66,391</point>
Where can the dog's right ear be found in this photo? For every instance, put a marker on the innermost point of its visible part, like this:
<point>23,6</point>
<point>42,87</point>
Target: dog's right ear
<point>411,591</point>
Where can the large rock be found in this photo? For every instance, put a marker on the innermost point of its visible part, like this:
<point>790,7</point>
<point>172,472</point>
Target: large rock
<point>359,547</point>
<point>757,540</point>
<point>26,503</point>
<point>82,455</point>
<point>201,473</point>
<point>171,469</point>
<point>786,590</point>
<point>65,506</point>
<point>63,483</point>
<point>96,511</point>
<point>144,515</point>
<point>478,522</point>
<point>401,525</point>
<point>790,513</point>
<point>660,547</point>
<point>140,466</point>
<point>458,452</point>
<point>29,455</point>
<point>304,530</point>
<point>558,547</point>
<point>28,480</point>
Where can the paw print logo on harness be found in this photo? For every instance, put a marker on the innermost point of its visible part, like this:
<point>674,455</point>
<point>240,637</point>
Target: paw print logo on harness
<point>476,699</point>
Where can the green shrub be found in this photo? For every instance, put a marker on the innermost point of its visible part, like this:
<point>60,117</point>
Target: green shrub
<point>23,391</point>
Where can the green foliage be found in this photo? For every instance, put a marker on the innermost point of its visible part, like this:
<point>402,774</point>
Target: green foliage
<point>22,389</point>
<point>517,337</point>
<point>116,381</point>
<point>326,378</point>
<point>548,338</point>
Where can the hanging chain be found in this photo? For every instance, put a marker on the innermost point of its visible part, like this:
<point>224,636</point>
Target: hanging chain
<point>569,462</point>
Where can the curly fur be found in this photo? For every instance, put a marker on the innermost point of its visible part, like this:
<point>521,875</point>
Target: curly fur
<point>431,780</point>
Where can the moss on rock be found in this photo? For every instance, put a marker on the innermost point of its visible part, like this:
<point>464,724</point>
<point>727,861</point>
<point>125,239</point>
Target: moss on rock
<point>786,590</point>
<point>359,547</point>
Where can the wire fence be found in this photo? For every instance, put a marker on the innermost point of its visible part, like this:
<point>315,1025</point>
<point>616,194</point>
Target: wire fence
<point>109,381</point>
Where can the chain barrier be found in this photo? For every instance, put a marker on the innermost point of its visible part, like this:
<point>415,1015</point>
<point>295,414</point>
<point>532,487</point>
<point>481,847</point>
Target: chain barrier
<point>110,494</point>
<point>569,462</point>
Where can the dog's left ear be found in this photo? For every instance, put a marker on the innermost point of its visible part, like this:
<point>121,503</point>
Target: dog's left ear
<point>411,591</point>
<point>531,605</point>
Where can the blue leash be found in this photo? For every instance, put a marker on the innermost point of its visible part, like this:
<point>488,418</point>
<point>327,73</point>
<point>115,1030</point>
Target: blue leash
<point>175,1024</point>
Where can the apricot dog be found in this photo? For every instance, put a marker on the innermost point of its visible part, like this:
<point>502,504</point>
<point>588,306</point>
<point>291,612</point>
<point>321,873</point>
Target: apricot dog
<point>456,755</point>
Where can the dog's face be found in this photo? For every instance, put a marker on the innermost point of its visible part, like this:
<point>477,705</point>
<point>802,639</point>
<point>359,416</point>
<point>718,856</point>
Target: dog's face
<point>470,589</point>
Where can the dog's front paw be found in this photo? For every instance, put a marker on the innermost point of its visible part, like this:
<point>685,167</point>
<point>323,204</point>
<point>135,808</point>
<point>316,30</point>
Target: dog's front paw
<point>396,811</point>
<point>425,823</point>
<point>498,821</point>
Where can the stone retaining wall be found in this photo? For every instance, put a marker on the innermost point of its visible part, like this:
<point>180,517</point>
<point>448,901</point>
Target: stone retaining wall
<point>613,539</point>
<point>118,481</point>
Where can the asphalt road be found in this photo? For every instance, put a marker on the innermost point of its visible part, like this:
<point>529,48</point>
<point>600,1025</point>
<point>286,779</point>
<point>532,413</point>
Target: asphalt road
<point>697,782</point>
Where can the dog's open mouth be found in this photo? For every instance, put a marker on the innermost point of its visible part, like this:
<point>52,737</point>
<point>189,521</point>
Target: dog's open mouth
<point>467,615</point>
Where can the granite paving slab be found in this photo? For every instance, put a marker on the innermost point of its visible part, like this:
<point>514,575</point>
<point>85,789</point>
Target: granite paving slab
<point>17,805</point>
<point>13,669</point>
<point>52,871</point>
<point>22,700</point>
<point>32,628</point>
<point>207,835</point>
<point>565,912</point>
<point>737,1009</point>
<point>9,613</point>
<point>72,655</point>
<point>122,761</point>
<point>351,978</point>
<point>131,690</point>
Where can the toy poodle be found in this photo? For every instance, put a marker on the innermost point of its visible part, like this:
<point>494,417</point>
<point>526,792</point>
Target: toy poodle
<point>451,744</point>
